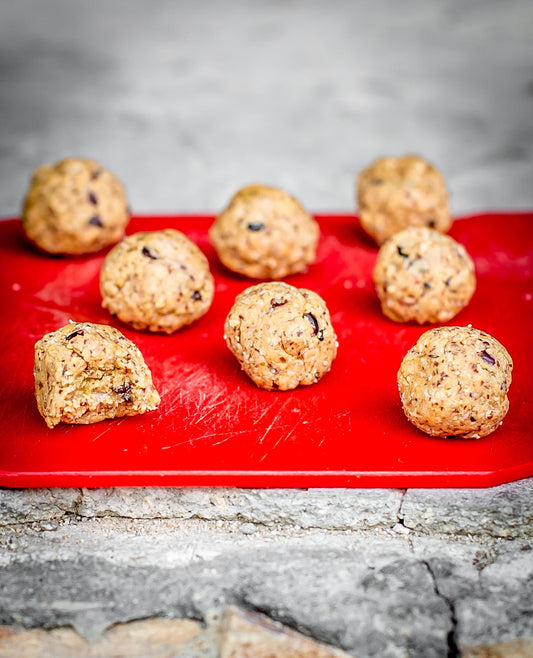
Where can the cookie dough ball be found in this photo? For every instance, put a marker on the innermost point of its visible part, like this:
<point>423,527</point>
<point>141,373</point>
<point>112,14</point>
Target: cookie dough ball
<point>74,207</point>
<point>264,233</point>
<point>281,335</point>
<point>88,372</point>
<point>423,276</point>
<point>394,193</point>
<point>158,280</point>
<point>454,382</point>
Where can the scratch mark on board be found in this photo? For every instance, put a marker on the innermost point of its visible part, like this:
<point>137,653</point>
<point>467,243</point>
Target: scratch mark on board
<point>229,436</point>
<point>111,426</point>
<point>261,416</point>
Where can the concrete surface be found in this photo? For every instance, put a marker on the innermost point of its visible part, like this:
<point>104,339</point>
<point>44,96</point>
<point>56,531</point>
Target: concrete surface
<point>398,577</point>
<point>186,102</point>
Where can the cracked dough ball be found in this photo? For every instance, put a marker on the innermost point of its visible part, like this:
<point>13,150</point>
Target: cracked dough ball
<point>264,233</point>
<point>454,382</point>
<point>394,193</point>
<point>157,280</point>
<point>281,335</point>
<point>88,372</point>
<point>423,276</point>
<point>74,207</point>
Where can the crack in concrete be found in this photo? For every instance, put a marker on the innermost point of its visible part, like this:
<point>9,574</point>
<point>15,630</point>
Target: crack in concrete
<point>66,518</point>
<point>56,510</point>
<point>452,650</point>
<point>237,520</point>
<point>400,522</point>
<point>239,517</point>
<point>288,621</point>
<point>399,511</point>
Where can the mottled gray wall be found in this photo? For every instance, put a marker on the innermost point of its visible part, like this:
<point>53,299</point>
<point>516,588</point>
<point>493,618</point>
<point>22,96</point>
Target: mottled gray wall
<point>187,101</point>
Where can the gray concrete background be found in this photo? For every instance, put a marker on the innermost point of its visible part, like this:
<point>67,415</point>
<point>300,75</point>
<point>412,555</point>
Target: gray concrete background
<point>186,102</point>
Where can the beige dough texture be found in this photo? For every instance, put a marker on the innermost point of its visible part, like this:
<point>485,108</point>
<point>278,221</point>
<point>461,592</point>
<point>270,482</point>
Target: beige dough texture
<point>265,233</point>
<point>87,372</point>
<point>423,276</point>
<point>394,193</point>
<point>158,280</point>
<point>281,335</point>
<point>74,207</point>
<point>454,382</point>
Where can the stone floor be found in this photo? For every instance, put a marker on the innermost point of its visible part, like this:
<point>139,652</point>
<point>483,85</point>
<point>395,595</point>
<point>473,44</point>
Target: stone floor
<point>186,102</point>
<point>379,572</point>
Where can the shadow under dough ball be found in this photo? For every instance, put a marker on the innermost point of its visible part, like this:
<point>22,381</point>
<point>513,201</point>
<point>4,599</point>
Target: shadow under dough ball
<point>74,207</point>
<point>265,233</point>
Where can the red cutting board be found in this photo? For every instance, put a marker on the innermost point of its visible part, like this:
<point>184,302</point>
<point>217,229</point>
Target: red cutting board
<point>214,427</point>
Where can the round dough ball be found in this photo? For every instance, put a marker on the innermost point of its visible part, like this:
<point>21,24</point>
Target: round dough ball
<point>158,280</point>
<point>264,233</point>
<point>423,276</point>
<point>86,372</point>
<point>74,207</point>
<point>394,193</point>
<point>454,382</point>
<point>281,335</point>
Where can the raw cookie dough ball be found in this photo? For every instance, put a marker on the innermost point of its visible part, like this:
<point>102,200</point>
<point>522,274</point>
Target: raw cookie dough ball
<point>454,382</point>
<point>281,335</point>
<point>394,193</point>
<point>74,207</point>
<point>158,280</point>
<point>423,276</point>
<point>88,372</point>
<point>264,233</point>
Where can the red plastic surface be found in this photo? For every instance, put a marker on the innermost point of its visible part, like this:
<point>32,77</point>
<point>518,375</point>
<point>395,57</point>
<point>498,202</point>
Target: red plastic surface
<point>214,427</point>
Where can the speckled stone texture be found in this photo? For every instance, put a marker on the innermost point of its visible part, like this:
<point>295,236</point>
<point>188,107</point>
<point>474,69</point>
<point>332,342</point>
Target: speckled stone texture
<point>372,572</point>
<point>498,512</point>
